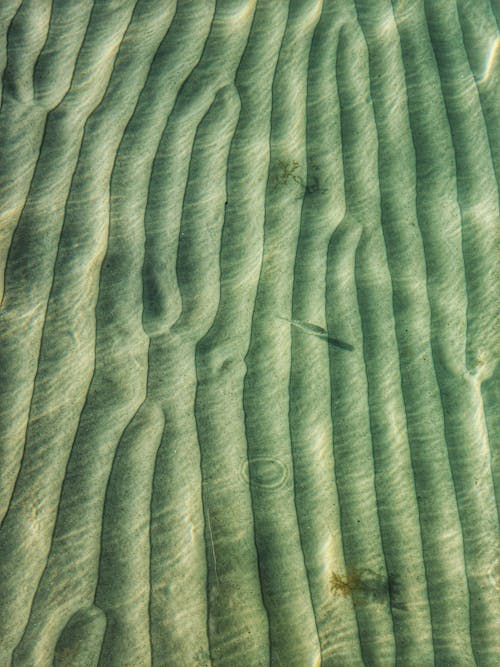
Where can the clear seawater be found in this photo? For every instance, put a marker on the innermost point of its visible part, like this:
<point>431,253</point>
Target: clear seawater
<point>249,333</point>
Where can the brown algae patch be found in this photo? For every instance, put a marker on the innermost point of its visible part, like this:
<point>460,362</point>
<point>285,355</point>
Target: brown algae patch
<point>362,586</point>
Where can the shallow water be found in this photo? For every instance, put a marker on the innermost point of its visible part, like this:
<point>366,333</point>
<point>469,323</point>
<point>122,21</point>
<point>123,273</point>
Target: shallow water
<point>247,333</point>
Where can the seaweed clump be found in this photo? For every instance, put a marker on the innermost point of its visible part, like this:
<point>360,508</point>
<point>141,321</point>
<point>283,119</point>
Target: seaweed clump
<point>362,586</point>
<point>289,171</point>
<point>285,172</point>
<point>345,584</point>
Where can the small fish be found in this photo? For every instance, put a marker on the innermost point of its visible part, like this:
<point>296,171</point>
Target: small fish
<point>307,327</point>
<point>316,330</point>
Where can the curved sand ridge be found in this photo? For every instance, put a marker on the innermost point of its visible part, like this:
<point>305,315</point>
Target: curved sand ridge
<point>247,333</point>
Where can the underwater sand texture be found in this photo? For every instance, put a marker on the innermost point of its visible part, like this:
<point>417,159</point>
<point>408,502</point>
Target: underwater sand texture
<point>248,335</point>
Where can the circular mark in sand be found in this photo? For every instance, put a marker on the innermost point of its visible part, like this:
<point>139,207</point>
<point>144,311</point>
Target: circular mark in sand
<point>264,471</point>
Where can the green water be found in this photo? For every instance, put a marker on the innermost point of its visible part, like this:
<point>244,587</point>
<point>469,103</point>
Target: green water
<point>248,333</point>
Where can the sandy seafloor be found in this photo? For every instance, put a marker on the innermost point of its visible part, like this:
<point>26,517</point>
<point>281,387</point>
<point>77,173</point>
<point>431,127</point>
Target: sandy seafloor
<point>247,333</point>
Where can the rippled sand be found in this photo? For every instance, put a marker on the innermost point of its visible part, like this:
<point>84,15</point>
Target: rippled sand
<point>247,333</point>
